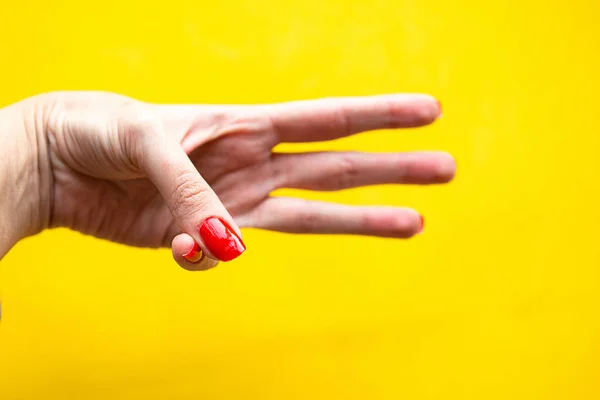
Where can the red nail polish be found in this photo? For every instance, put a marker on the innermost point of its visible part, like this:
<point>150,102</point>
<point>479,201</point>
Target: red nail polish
<point>220,239</point>
<point>422,224</point>
<point>195,254</point>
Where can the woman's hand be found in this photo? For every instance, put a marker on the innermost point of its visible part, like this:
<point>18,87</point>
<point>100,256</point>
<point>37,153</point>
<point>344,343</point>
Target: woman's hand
<point>158,175</point>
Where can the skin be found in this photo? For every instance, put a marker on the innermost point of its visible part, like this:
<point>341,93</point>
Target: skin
<point>147,175</point>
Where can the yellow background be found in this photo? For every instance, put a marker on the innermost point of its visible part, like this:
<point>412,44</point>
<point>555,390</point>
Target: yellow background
<point>499,299</point>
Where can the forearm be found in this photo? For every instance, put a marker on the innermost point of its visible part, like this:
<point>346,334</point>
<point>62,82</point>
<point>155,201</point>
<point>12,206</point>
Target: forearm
<point>21,191</point>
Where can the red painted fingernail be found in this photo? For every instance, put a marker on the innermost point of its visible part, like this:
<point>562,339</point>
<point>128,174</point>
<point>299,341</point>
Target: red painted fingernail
<point>220,239</point>
<point>422,224</point>
<point>195,254</point>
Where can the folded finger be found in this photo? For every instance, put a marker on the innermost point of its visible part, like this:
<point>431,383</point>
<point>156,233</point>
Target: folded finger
<point>188,254</point>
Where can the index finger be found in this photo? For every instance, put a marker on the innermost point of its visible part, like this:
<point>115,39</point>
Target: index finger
<point>329,119</point>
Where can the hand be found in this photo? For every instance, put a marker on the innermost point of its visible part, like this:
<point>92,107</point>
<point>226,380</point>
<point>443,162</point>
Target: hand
<point>154,175</point>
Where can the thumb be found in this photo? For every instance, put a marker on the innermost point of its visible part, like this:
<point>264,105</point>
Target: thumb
<point>195,207</point>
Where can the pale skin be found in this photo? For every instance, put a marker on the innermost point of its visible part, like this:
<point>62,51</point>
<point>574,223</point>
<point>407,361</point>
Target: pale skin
<point>147,175</point>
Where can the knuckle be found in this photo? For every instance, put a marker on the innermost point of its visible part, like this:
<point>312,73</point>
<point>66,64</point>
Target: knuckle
<point>188,196</point>
<point>310,222</point>
<point>139,121</point>
<point>283,172</point>
<point>346,172</point>
<point>394,114</point>
<point>138,126</point>
<point>240,123</point>
<point>342,119</point>
<point>366,222</point>
<point>143,124</point>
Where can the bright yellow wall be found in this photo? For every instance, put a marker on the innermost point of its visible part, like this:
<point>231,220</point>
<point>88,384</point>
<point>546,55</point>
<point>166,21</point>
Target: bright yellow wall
<point>500,299</point>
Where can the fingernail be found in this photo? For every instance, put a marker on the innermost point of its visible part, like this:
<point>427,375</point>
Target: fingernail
<point>422,224</point>
<point>195,254</point>
<point>440,110</point>
<point>220,239</point>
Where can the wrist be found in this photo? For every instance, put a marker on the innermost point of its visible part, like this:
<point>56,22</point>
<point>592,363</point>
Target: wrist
<point>25,181</point>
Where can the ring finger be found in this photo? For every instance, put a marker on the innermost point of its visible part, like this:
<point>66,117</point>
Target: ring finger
<point>294,215</point>
<point>342,170</point>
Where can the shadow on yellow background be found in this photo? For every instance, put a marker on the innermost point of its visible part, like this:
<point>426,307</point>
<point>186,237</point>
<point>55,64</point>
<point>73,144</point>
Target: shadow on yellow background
<point>499,299</point>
